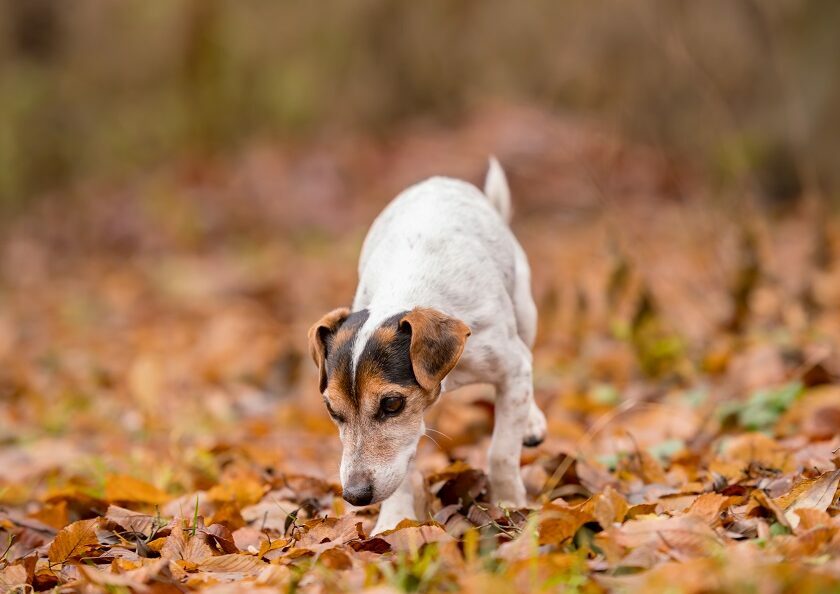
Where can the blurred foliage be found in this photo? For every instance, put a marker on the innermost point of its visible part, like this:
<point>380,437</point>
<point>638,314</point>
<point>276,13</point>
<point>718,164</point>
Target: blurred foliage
<point>102,89</point>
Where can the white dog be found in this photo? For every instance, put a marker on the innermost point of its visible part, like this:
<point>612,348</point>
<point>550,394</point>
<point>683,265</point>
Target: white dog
<point>439,264</point>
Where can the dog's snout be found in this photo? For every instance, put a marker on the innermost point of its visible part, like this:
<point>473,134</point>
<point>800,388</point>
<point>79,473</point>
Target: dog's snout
<point>358,490</point>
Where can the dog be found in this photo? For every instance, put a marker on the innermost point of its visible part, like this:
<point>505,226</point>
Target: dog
<point>443,300</point>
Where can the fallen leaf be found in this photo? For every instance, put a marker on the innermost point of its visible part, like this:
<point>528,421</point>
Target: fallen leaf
<point>335,559</point>
<point>817,493</point>
<point>73,541</point>
<point>132,521</point>
<point>180,546</point>
<point>234,563</point>
<point>410,536</point>
<point>708,506</point>
<point>559,523</point>
<point>129,489</point>
<point>13,576</point>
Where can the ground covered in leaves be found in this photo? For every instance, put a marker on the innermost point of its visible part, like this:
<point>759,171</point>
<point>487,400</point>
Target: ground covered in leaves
<point>161,431</point>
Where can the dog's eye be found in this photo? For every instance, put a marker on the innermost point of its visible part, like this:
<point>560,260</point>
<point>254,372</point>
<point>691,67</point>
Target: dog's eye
<point>336,417</point>
<point>391,406</point>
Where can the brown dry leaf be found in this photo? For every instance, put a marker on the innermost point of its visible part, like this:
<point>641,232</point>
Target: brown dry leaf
<point>221,536</point>
<point>132,521</point>
<point>708,506</point>
<point>11,576</point>
<point>53,514</point>
<point>243,491</point>
<point>275,575</point>
<point>180,546</point>
<point>681,538</point>
<point>558,523</point>
<point>817,493</point>
<point>759,499</point>
<point>73,541</point>
<point>334,530</point>
<point>266,546</point>
<point>756,449</point>
<point>410,535</point>
<point>815,414</point>
<point>643,465</point>
<point>134,577</point>
<point>336,559</point>
<point>233,563</point>
<point>694,576</point>
<point>812,518</point>
<point>120,487</point>
<point>608,507</point>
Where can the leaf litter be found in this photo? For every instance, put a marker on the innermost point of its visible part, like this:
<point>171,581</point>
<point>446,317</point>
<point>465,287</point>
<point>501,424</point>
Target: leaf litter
<point>160,429</point>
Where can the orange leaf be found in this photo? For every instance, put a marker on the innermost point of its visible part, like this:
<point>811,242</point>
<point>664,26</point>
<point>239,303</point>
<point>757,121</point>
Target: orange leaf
<point>560,523</point>
<point>73,541</point>
<point>120,487</point>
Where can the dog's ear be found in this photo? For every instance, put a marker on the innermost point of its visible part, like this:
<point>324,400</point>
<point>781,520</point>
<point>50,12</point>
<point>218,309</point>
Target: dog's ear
<point>319,337</point>
<point>437,342</point>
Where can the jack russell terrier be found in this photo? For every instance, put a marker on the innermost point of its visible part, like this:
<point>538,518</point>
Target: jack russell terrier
<point>440,264</point>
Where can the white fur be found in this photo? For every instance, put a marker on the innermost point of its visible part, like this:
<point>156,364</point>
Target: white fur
<point>446,245</point>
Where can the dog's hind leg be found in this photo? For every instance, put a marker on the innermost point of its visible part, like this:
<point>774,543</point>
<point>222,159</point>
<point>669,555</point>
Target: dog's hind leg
<point>536,428</point>
<point>524,308</point>
<point>526,326</point>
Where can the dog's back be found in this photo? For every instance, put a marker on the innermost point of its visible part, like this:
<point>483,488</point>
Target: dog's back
<point>439,242</point>
<point>447,245</point>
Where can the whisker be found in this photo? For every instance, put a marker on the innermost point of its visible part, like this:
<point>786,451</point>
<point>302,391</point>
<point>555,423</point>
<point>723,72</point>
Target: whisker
<point>434,441</point>
<point>439,433</point>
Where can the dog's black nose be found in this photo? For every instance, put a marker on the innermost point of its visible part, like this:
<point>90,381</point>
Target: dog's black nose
<point>360,493</point>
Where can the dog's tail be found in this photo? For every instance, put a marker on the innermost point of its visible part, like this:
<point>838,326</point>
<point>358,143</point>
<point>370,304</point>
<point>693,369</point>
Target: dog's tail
<point>496,189</point>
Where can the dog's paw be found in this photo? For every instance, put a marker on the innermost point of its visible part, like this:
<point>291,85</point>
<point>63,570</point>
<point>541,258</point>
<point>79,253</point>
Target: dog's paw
<point>535,430</point>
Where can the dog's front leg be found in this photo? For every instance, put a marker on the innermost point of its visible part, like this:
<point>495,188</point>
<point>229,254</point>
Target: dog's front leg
<point>401,504</point>
<point>513,402</point>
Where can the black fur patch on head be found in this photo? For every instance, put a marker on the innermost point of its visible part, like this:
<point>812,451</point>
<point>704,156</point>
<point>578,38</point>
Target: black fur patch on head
<point>387,354</point>
<point>339,351</point>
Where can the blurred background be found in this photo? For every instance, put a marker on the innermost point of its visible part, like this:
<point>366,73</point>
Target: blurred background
<point>98,89</point>
<point>185,185</point>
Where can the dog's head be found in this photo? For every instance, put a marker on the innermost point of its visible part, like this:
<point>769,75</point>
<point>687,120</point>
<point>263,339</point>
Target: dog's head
<point>377,382</point>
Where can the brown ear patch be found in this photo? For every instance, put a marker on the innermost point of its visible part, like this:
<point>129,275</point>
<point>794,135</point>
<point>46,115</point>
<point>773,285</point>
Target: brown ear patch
<point>327,337</point>
<point>437,341</point>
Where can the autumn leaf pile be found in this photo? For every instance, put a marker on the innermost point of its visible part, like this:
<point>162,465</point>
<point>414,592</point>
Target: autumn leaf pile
<point>160,428</point>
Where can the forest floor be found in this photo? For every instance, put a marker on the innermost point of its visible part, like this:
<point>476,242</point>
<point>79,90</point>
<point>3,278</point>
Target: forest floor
<point>161,430</point>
